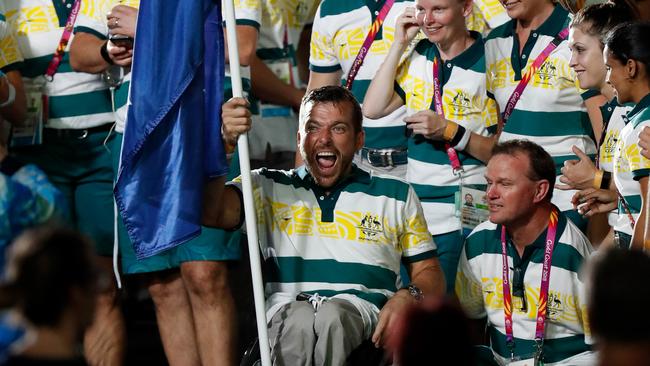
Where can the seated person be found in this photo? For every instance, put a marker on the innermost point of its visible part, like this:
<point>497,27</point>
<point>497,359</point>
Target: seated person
<point>520,269</point>
<point>51,280</point>
<point>332,236</point>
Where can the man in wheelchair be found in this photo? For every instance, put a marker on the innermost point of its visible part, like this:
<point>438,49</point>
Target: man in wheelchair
<point>332,236</point>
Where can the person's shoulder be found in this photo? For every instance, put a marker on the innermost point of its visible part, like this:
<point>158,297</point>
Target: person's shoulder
<point>338,7</point>
<point>387,186</point>
<point>482,240</point>
<point>502,31</point>
<point>286,177</point>
<point>574,238</point>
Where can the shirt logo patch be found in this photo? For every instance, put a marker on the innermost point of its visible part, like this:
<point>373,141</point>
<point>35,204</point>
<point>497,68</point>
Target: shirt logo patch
<point>547,73</point>
<point>370,227</point>
<point>555,307</point>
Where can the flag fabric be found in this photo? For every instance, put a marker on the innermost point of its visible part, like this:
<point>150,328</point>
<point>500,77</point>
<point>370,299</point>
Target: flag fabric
<point>172,141</point>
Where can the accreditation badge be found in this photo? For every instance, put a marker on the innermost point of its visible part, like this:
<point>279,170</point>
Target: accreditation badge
<point>31,131</point>
<point>473,207</point>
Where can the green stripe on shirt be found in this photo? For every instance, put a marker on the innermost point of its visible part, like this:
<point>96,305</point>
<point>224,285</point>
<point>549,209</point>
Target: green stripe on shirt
<point>564,256</point>
<point>297,269</point>
<point>80,104</point>
<point>555,350</point>
<point>546,124</point>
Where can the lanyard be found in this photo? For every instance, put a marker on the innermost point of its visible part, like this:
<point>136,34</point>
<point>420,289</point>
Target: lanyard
<point>63,43</point>
<point>437,101</point>
<point>543,291</point>
<point>365,48</point>
<point>519,89</point>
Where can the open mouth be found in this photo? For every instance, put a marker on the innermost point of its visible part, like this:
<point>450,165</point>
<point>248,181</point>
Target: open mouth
<point>509,4</point>
<point>326,160</point>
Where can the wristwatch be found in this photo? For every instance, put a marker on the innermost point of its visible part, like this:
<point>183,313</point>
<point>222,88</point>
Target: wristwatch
<point>415,292</point>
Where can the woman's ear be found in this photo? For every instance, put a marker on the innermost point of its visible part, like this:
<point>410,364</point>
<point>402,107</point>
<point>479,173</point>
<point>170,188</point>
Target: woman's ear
<point>467,7</point>
<point>632,68</point>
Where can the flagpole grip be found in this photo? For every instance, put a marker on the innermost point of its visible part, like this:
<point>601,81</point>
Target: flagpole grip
<point>247,191</point>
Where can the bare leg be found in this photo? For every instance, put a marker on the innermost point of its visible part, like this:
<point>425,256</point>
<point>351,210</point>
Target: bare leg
<point>213,309</point>
<point>175,320</point>
<point>105,339</point>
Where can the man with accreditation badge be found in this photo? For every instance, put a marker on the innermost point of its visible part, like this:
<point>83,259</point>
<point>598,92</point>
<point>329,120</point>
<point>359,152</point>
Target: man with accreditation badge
<point>520,270</point>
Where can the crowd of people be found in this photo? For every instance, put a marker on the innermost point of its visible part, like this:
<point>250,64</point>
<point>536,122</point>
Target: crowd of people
<point>448,182</point>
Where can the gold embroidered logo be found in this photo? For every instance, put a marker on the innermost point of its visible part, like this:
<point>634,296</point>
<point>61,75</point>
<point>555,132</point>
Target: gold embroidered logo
<point>547,73</point>
<point>555,307</point>
<point>370,227</point>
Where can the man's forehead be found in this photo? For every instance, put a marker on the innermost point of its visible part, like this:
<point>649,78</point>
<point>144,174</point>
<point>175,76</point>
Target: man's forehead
<point>323,112</point>
<point>509,165</point>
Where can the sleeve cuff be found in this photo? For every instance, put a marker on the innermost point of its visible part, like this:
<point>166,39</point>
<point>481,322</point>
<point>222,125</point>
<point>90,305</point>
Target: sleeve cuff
<point>324,69</point>
<point>420,257</point>
<point>82,29</point>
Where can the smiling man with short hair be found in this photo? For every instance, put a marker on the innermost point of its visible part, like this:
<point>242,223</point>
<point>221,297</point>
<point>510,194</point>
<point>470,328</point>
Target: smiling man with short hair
<point>332,236</point>
<point>527,245</point>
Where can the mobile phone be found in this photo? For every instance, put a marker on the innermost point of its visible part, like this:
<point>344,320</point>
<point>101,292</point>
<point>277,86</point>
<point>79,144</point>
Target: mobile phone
<point>121,40</point>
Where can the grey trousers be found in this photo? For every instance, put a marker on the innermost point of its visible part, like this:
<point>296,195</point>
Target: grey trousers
<point>299,335</point>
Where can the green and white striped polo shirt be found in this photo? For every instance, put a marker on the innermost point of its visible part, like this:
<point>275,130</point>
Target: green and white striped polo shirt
<point>76,100</point>
<point>465,102</point>
<point>614,114</point>
<point>479,286</point>
<point>339,29</point>
<point>630,165</point>
<point>94,22</point>
<point>349,243</point>
<point>551,111</point>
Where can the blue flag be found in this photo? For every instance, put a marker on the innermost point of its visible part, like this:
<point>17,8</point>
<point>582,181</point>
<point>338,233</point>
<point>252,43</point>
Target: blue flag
<point>172,141</point>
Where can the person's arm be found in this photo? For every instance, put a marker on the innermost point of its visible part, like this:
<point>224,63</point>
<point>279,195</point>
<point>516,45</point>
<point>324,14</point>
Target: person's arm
<point>381,99</point>
<point>638,237</point>
<point>320,79</point>
<point>302,54</point>
<point>269,88</point>
<point>15,112</point>
<point>426,275</point>
<point>222,206</point>
<point>246,43</point>
<point>88,52</point>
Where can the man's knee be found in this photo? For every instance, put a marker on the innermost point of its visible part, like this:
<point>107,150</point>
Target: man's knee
<point>293,320</point>
<point>164,288</point>
<point>336,316</point>
<point>206,279</point>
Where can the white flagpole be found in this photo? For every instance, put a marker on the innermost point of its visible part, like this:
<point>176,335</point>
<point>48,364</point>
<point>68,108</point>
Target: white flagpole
<point>247,188</point>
